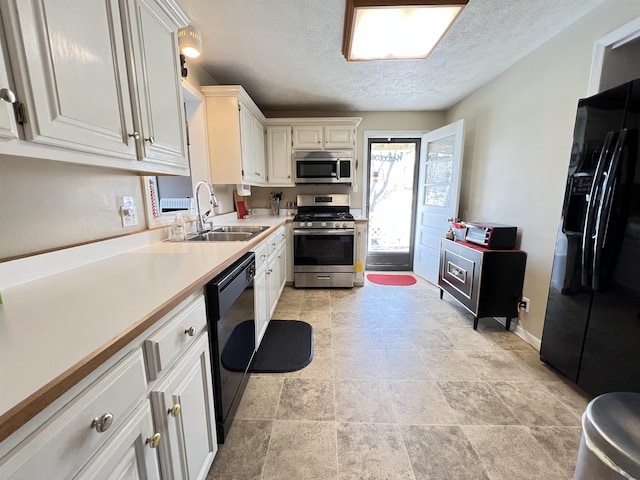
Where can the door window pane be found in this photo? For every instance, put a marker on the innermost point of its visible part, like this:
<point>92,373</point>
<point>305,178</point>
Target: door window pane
<point>439,172</point>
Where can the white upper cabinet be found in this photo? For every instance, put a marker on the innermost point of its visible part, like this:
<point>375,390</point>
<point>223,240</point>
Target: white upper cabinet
<point>279,160</point>
<point>319,137</point>
<point>8,126</point>
<point>235,130</point>
<point>101,77</point>
<point>158,109</point>
<point>307,137</point>
<point>339,136</point>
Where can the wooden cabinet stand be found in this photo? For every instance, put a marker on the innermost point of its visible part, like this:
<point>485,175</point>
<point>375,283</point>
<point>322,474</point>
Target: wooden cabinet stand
<point>488,283</point>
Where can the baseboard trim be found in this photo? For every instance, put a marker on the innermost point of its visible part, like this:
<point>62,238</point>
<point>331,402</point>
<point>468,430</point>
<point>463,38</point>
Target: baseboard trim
<point>532,340</point>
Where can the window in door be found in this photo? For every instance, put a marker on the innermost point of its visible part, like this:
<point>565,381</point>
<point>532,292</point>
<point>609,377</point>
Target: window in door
<point>391,202</point>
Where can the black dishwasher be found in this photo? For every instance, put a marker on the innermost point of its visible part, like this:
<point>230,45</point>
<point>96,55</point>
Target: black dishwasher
<point>230,315</point>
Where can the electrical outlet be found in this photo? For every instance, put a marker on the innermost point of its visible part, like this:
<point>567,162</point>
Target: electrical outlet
<point>525,304</point>
<point>128,212</point>
<point>355,188</point>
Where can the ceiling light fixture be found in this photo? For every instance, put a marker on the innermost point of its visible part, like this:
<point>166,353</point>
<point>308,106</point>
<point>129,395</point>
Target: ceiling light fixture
<point>405,29</point>
<point>190,41</point>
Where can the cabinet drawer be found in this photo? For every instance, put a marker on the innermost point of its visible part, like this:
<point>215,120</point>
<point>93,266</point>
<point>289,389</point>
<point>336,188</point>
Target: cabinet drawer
<point>459,272</point>
<point>262,252</point>
<point>276,240</point>
<point>175,336</point>
<point>60,447</point>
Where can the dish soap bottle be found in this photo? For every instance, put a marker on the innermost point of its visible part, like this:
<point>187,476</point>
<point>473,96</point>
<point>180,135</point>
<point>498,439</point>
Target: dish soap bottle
<point>178,229</point>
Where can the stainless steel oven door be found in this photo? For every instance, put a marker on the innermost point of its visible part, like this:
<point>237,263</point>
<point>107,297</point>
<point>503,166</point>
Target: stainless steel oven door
<point>330,250</point>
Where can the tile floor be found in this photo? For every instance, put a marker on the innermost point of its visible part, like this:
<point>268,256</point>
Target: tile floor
<point>401,387</point>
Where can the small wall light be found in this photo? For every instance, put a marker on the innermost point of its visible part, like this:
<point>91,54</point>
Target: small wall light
<point>190,41</point>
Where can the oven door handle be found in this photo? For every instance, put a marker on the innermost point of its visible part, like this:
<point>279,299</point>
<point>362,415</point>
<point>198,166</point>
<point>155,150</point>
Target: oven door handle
<point>328,231</point>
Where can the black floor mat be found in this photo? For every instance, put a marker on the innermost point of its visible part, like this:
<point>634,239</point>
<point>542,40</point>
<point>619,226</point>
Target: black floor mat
<point>287,346</point>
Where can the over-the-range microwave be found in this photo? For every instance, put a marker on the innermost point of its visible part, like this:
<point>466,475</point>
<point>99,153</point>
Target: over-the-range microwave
<point>323,167</point>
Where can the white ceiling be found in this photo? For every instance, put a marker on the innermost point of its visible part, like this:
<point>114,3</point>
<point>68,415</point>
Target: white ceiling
<point>287,54</point>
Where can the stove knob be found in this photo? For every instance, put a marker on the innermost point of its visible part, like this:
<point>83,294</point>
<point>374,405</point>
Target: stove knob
<point>339,225</point>
<point>323,224</point>
<point>309,224</point>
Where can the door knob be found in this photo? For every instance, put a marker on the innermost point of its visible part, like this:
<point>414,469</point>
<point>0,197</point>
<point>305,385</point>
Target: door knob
<point>7,95</point>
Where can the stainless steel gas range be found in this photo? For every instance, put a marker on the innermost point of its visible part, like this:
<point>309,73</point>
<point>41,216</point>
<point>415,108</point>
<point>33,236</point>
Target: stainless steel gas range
<point>323,241</point>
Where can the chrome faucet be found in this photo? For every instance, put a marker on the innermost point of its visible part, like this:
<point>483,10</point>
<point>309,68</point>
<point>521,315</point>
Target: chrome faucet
<point>213,202</point>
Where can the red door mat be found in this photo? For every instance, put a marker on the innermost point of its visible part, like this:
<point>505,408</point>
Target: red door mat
<point>396,280</point>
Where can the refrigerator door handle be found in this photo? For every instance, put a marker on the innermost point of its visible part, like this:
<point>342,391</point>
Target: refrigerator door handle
<point>594,199</point>
<point>604,212</point>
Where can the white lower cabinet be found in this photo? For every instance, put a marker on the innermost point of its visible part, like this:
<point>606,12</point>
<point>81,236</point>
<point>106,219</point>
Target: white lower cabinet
<point>260,293</point>
<point>105,428</point>
<point>184,415</point>
<point>131,453</point>
<point>271,275</point>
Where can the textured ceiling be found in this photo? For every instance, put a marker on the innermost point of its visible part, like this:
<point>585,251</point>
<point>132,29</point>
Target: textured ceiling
<point>288,53</point>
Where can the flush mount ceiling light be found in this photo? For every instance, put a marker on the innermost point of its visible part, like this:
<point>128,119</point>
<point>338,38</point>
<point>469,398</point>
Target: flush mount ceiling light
<point>190,41</point>
<point>409,29</point>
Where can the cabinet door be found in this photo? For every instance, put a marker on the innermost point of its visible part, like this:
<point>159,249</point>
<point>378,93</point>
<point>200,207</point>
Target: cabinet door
<point>8,127</point>
<point>127,454</point>
<point>261,303</point>
<point>281,259</point>
<point>258,143</point>
<point>279,161</point>
<point>184,415</point>
<point>70,69</point>
<point>159,108</point>
<point>247,145</point>
<point>339,136</point>
<point>307,137</point>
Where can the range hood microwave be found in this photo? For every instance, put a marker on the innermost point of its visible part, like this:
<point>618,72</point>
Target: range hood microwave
<point>323,167</point>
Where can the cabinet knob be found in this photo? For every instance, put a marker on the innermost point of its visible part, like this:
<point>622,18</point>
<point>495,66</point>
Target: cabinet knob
<point>263,256</point>
<point>102,423</point>
<point>135,135</point>
<point>7,95</point>
<point>154,440</point>
<point>175,410</point>
<point>191,331</point>
<point>269,272</point>
<point>279,256</point>
<point>151,140</point>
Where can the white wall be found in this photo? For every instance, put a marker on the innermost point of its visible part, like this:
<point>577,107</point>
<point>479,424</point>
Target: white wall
<point>47,204</point>
<point>518,138</point>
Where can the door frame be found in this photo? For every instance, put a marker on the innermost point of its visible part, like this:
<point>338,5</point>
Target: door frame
<point>418,153</point>
<point>368,134</point>
<point>616,38</point>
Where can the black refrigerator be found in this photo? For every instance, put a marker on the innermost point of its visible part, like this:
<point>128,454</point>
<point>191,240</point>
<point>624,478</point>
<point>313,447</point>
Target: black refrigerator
<point>592,325</point>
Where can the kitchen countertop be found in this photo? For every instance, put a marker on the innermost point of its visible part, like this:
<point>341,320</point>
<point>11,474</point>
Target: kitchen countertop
<point>56,330</point>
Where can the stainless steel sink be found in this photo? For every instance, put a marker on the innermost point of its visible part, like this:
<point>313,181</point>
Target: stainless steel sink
<point>239,228</point>
<point>228,234</point>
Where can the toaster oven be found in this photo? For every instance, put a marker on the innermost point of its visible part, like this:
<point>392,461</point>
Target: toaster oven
<point>493,236</point>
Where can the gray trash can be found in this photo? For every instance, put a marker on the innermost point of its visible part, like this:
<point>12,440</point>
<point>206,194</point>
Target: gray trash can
<point>610,444</point>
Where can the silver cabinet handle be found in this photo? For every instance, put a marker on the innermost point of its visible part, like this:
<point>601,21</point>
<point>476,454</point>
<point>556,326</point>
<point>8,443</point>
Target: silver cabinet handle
<point>191,331</point>
<point>102,423</point>
<point>154,440</point>
<point>135,135</point>
<point>151,140</point>
<point>8,95</point>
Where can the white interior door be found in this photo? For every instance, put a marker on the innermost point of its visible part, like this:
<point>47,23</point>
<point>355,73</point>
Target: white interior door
<point>438,194</point>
